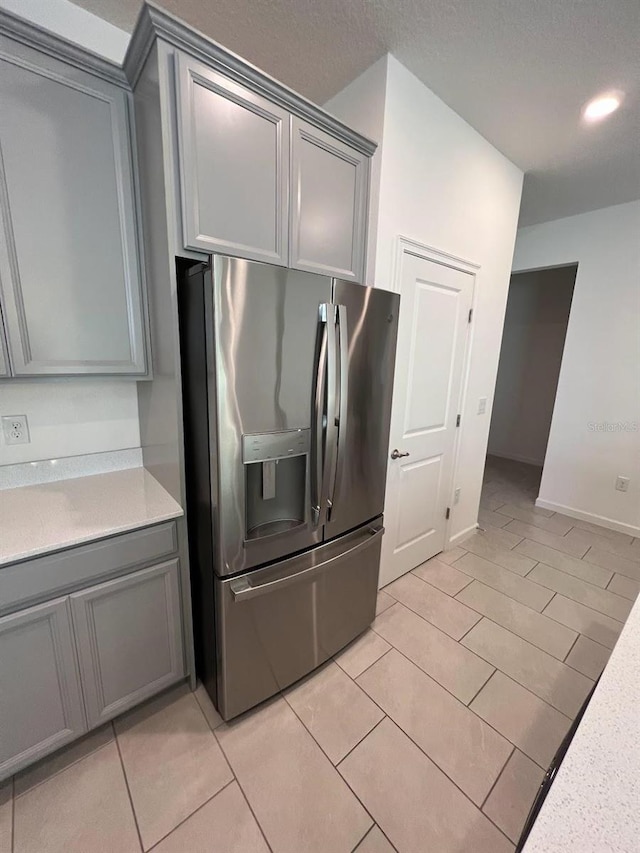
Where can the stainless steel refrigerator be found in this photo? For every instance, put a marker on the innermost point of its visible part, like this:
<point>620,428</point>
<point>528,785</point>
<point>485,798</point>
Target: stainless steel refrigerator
<point>287,381</point>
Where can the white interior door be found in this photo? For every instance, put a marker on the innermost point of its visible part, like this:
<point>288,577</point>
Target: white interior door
<point>432,336</point>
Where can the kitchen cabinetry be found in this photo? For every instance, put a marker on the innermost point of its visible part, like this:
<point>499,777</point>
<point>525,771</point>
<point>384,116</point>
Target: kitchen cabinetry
<point>329,192</point>
<point>40,699</point>
<point>234,159</point>
<point>129,639</point>
<point>4,359</point>
<point>69,664</point>
<point>70,272</point>
<point>259,181</point>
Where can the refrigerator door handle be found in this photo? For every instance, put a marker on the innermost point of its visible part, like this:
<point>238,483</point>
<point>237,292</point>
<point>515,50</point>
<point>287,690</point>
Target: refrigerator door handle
<point>325,437</point>
<point>242,589</point>
<point>341,419</point>
<point>317,474</point>
<point>331,420</point>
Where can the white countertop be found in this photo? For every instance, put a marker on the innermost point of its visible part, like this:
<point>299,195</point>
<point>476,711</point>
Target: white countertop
<point>594,803</point>
<point>39,519</point>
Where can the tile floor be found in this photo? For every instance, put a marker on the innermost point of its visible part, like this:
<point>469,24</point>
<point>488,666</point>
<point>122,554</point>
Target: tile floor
<point>429,733</point>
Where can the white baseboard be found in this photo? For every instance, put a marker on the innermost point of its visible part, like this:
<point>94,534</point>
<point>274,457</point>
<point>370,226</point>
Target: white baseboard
<point>619,526</point>
<point>460,537</point>
<point>517,458</point>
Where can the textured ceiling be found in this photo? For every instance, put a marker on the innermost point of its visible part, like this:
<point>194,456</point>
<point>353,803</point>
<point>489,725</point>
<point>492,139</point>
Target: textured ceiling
<point>518,71</point>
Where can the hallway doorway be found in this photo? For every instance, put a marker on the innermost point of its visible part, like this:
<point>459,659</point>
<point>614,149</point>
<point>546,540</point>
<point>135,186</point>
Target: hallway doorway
<point>533,338</point>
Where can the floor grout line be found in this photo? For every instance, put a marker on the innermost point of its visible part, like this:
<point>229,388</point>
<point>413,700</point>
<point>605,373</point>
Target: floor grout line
<point>564,659</point>
<point>331,761</point>
<point>502,769</point>
<point>376,825</point>
<point>468,706</point>
<point>367,668</point>
<point>513,678</point>
<point>409,607</point>
<point>479,619</point>
<point>189,816</point>
<point>242,791</point>
<point>480,689</point>
<point>126,782</point>
<point>435,763</point>
<point>346,755</point>
<point>58,751</point>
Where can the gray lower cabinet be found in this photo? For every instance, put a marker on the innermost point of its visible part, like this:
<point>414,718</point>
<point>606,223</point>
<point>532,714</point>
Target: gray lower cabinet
<point>234,161</point>
<point>40,700</point>
<point>329,191</point>
<point>70,269</point>
<point>129,639</point>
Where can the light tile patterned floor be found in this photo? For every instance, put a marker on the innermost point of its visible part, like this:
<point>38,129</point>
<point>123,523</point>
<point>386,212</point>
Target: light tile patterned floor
<point>430,732</point>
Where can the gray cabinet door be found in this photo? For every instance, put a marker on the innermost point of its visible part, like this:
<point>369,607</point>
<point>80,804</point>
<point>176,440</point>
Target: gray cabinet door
<point>234,162</point>
<point>40,699</point>
<point>129,638</point>
<point>4,358</point>
<point>329,188</point>
<point>69,264</point>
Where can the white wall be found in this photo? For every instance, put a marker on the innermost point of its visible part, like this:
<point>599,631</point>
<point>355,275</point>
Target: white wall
<point>599,381</point>
<point>361,105</point>
<point>444,185</point>
<point>535,327</point>
<point>73,416</point>
<point>70,417</point>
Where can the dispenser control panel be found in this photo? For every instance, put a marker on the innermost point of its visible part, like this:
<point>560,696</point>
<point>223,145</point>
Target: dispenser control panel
<point>265,446</point>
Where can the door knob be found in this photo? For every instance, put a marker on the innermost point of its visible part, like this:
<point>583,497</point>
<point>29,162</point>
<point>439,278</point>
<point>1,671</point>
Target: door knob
<point>395,454</point>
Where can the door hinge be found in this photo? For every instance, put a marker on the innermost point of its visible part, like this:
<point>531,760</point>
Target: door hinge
<point>458,420</point>
<point>470,314</point>
<point>448,512</point>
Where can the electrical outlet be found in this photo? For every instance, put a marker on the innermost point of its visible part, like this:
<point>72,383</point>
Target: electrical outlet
<point>622,484</point>
<point>15,429</point>
<point>456,496</point>
<point>482,405</point>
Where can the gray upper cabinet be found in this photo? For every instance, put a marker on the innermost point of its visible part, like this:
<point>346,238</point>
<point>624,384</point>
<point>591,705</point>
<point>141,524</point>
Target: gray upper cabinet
<point>40,699</point>
<point>234,162</point>
<point>4,358</point>
<point>129,639</point>
<point>70,273</point>
<point>329,189</point>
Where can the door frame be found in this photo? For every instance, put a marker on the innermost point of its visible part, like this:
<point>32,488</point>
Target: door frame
<point>410,246</point>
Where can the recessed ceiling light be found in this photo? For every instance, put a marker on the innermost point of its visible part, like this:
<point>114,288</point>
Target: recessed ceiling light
<point>602,106</point>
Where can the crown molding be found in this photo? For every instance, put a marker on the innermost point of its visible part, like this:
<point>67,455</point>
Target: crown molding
<point>154,22</point>
<point>33,35</point>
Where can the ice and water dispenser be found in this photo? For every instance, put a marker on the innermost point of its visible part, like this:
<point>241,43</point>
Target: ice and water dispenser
<point>276,471</point>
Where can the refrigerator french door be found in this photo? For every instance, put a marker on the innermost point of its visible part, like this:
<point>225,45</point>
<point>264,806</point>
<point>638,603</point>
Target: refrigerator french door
<point>287,380</point>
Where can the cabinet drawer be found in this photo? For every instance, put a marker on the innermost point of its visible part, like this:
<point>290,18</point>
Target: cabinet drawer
<point>129,639</point>
<point>34,580</point>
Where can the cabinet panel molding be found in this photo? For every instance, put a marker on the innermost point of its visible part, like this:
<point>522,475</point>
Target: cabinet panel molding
<point>70,267</point>
<point>40,700</point>
<point>154,22</point>
<point>329,188</point>
<point>5,367</point>
<point>234,165</point>
<point>129,637</point>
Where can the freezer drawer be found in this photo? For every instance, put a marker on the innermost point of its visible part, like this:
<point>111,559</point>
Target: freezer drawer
<point>276,624</point>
